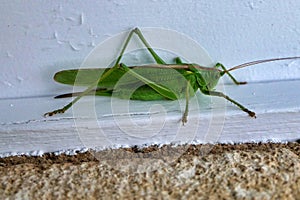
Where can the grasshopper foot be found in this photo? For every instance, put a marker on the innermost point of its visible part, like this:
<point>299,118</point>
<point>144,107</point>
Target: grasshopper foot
<point>250,113</point>
<point>241,83</point>
<point>184,119</point>
<point>49,114</point>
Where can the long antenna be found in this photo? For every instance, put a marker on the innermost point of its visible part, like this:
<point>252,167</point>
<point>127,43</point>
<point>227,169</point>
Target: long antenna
<point>261,61</point>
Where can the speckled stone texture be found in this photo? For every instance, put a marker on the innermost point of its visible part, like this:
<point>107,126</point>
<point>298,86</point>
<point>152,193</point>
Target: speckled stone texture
<point>243,171</point>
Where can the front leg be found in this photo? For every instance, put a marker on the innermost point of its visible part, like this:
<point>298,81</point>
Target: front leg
<point>230,76</point>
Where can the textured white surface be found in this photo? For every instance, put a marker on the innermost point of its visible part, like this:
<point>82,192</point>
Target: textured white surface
<point>39,38</point>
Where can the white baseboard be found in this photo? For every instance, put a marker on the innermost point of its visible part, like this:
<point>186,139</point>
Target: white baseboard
<point>24,130</point>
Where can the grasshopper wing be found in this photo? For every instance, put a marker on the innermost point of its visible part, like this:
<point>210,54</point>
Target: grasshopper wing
<point>87,77</point>
<point>79,77</point>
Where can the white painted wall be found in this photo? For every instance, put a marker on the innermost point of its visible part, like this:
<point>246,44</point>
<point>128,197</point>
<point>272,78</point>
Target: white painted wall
<point>39,38</point>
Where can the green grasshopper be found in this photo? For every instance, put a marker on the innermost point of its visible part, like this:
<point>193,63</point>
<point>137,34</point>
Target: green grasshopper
<point>181,80</point>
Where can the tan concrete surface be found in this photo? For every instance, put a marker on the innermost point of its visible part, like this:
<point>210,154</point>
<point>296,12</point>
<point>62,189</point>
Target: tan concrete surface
<point>244,171</point>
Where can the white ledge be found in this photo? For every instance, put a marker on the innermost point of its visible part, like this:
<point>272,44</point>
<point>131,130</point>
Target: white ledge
<point>24,130</point>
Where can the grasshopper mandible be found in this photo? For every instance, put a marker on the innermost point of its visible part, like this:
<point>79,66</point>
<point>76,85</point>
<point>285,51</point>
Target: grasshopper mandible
<point>195,77</point>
